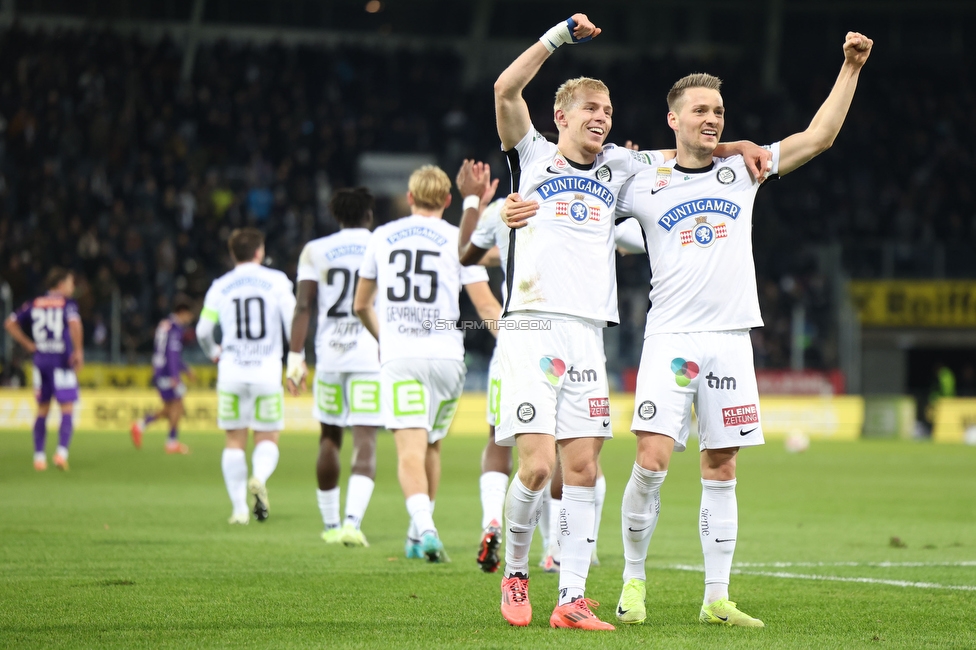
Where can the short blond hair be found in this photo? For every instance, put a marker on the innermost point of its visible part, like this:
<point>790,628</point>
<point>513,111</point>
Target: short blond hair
<point>429,187</point>
<point>567,95</point>
<point>695,80</point>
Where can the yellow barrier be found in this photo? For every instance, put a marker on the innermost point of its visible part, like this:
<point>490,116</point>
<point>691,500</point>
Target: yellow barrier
<point>833,417</point>
<point>953,418</point>
<point>913,303</point>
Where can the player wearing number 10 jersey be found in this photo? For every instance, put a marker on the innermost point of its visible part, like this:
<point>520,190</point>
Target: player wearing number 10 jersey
<point>56,342</point>
<point>254,306</point>
<point>411,270</point>
<point>347,365</point>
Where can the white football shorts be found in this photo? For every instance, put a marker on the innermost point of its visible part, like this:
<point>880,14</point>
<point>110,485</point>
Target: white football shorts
<point>260,407</point>
<point>712,370</point>
<point>553,379</point>
<point>346,399</point>
<point>421,394</point>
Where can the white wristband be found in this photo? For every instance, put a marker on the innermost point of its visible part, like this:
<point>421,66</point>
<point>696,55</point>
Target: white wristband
<point>471,202</point>
<point>561,34</point>
<point>294,368</point>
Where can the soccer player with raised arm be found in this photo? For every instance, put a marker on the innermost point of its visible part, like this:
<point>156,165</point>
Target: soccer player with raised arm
<point>168,368</point>
<point>347,366</point>
<point>696,213</point>
<point>408,299</point>
<point>253,305</point>
<point>562,291</point>
<point>56,342</point>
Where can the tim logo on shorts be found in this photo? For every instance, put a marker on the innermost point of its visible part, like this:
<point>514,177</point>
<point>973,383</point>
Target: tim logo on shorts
<point>738,415</point>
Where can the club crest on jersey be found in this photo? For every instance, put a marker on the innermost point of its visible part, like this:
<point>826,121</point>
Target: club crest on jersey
<point>663,178</point>
<point>559,163</point>
<point>725,176</point>
<point>577,210</point>
<point>603,174</point>
<point>697,207</point>
<point>703,234</point>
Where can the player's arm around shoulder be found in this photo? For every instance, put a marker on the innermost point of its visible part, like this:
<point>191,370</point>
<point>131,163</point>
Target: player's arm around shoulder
<point>800,148</point>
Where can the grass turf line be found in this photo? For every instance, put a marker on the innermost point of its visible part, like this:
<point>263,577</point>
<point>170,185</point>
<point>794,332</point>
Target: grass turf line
<point>131,549</point>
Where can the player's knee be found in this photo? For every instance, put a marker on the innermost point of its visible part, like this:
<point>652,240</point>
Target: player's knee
<point>534,473</point>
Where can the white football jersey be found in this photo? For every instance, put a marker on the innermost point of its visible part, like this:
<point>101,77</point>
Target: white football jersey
<point>254,306</point>
<point>342,343</point>
<point>414,261</point>
<point>563,260</point>
<point>698,225</point>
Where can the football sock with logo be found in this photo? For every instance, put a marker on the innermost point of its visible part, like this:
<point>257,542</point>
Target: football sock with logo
<point>329,507</point>
<point>718,524</point>
<point>494,485</point>
<point>599,496</point>
<point>357,498</point>
<point>575,540</point>
<point>264,459</point>
<point>233,462</point>
<point>638,518</point>
<point>65,431</point>
<point>40,434</point>
<point>555,507</point>
<point>418,507</point>
<point>522,510</point>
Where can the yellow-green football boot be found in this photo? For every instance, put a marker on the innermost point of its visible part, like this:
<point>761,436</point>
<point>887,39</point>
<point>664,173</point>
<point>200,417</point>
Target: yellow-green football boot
<point>631,608</point>
<point>724,612</point>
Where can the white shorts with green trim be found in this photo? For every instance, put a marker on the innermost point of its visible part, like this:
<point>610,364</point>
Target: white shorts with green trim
<point>421,394</point>
<point>346,399</point>
<point>260,407</point>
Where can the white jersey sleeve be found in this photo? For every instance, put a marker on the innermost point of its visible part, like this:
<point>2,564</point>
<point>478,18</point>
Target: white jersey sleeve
<point>414,261</point>
<point>342,343</point>
<point>628,236</point>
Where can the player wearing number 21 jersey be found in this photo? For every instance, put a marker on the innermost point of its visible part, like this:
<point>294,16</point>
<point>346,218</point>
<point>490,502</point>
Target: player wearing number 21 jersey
<point>411,269</point>
<point>254,306</point>
<point>347,366</point>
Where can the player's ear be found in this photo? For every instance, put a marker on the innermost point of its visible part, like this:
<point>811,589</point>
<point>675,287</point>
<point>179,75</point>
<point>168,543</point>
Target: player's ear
<point>673,120</point>
<point>447,203</point>
<point>410,198</point>
<point>559,117</point>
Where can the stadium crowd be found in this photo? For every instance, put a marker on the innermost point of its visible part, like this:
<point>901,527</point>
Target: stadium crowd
<point>113,166</point>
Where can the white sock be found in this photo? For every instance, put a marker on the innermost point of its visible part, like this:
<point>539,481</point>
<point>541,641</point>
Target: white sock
<point>357,498</point>
<point>717,526</point>
<point>418,506</point>
<point>555,506</point>
<point>412,533</point>
<point>39,455</point>
<point>522,510</point>
<point>264,459</point>
<point>329,507</point>
<point>234,464</point>
<point>575,541</point>
<point>544,521</point>
<point>431,507</point>
<point>494,485</point>
<point>62,452</point>
<point>599,496</point>
<point>638,518</point>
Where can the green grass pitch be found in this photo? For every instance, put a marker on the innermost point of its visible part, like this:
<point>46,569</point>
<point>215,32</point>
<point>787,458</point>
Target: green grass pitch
<point>132,549</point>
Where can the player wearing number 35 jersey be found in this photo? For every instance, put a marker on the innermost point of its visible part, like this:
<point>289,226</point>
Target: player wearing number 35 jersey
<point>411,270</point>
<point>254,307</point>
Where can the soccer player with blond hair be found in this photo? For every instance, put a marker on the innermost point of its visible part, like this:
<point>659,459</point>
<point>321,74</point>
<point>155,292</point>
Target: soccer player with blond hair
<point>561,283</point>
<point>409,285</point>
